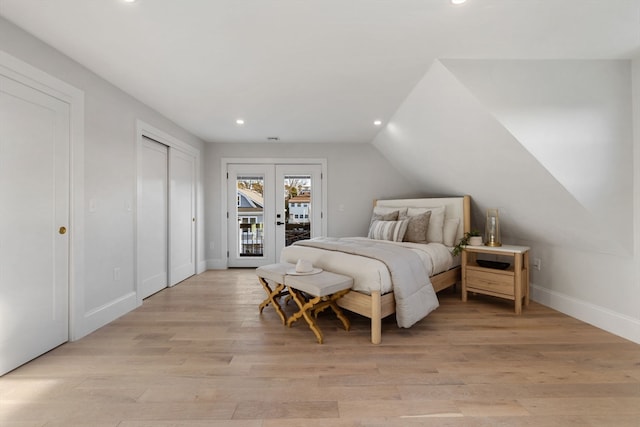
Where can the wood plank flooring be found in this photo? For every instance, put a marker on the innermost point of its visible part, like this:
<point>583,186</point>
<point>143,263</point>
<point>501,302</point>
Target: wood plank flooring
<point>199,354</point>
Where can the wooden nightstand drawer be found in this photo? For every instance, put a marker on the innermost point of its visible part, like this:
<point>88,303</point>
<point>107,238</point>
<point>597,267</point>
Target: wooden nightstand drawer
<point>499,282</point>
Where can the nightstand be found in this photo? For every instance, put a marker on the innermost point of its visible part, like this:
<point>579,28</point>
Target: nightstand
<point>511,283</point>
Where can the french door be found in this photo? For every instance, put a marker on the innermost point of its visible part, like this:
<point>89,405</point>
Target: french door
<point>270,206</point>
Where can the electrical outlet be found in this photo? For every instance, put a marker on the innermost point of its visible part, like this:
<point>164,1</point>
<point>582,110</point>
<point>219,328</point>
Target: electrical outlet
<point>537,263</point>
<point>116,273</point>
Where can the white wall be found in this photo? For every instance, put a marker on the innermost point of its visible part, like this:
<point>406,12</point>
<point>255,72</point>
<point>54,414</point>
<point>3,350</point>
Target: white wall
<point>109,180</point>
<point>549,143</point>
<point>357,174</point>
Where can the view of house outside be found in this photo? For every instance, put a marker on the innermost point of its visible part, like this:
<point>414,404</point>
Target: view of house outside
<point>250,205</point>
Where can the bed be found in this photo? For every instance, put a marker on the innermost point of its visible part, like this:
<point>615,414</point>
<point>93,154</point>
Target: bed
<point>373,294</point>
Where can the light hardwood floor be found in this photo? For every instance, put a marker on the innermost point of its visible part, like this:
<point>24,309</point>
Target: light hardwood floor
<point>199,354</point>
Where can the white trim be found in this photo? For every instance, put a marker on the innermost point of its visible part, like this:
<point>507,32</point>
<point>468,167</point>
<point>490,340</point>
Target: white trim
<point>144,129</point>
<point>100,316</point>
<point>635,96</point>
<point>26,74</point>
<point>225,161</point>
<point>603,318</point>
<point>165,138</point>
<point>217,264</point>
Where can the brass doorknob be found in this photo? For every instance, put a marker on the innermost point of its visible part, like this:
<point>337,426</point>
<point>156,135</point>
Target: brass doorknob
<point>62,230</point>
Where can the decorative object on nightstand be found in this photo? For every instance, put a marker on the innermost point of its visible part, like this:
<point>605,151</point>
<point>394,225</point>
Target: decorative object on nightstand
<point>475,240</point>
<point>469,238</point>
<point>499,279</point>
<point>492,229</point>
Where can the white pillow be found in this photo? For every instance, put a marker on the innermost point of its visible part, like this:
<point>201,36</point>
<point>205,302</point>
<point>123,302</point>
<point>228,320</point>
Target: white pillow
<point>450,231</point>
<point>383,210</point>
<point>388,230</point>
<point>436,222</point>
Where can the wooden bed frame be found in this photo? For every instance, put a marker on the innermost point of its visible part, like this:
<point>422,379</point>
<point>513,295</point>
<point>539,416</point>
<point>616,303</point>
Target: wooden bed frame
<point>377,306</point>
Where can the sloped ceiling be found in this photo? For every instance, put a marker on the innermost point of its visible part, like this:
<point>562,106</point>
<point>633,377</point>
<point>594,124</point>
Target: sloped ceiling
<point>549,143</point>
<point>308,70</point>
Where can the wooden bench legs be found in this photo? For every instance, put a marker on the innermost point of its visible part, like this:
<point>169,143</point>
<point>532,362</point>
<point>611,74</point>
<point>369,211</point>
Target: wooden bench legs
<point>322,288</point>
<point>311,307</point>
<point>272,295</point>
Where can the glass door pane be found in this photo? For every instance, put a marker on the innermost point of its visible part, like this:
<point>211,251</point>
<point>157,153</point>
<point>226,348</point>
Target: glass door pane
<point>250,215</point>
<point>297,199</point>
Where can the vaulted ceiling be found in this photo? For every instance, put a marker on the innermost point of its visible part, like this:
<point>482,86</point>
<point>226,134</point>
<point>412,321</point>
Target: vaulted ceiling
<point>314,70</point>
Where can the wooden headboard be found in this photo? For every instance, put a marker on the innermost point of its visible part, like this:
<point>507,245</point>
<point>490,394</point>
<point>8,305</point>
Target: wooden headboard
<point>455,207</point>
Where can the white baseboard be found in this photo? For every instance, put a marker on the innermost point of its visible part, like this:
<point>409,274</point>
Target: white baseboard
<point>202,267</point>
<point>216,264</point>
<point>603,318</point>
<point>100,316</point>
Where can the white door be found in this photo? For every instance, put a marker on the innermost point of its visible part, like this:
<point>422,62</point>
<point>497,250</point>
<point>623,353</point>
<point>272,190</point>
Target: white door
<point>182,217</point>
<point>250,214</point>
<point>153,212</point>
<point>270,206</point>
<point>34,217</point>
<point>298,201</point>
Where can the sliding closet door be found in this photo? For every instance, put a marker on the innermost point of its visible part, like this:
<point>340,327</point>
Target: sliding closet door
<point>166,216</point>
<point>182,218</point>
<point>153,233</point>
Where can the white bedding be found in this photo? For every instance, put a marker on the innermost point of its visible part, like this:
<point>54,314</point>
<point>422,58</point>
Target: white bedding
<point>370,274</point>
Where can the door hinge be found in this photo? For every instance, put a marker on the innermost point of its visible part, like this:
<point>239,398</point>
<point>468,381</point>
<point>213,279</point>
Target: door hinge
<point>227,254</point>
<point>227,215</point>
<point>321,215</point>
<point>321,175</point>
<point>227,175</point>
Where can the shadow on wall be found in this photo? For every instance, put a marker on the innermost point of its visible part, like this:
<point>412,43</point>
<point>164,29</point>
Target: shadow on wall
<point>548,143</point>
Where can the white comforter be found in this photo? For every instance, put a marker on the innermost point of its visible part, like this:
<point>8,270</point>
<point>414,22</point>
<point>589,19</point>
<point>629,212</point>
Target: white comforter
<point>414,300</point>
<point>369,274</point>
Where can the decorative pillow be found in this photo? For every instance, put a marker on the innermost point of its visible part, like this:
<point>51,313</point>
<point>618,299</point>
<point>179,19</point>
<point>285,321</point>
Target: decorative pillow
<point>436,222</point>
<point>388,230</point>
<point>382,210</point>
<point>390,216</point>
<point>417,228</point>
<point>450,231</point>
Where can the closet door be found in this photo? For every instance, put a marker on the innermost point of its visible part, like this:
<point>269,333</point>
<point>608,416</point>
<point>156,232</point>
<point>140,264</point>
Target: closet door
<point>153,233</point>
<point>182,218</point>
<point>34,235</point>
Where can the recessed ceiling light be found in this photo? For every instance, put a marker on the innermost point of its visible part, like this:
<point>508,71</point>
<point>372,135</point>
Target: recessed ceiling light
<point>458,1</point>
<point>129,1</point>
<point>377,122</point>
<point>240,121</point>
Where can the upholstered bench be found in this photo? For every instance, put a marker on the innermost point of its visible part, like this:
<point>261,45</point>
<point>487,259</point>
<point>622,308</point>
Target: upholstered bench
<point>323,289</point>
<point>275,274</point>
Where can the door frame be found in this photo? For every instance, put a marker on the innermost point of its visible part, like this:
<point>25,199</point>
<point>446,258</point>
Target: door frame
<point>18,70</point>
<point>144,129</point>
<point>225,161</point>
